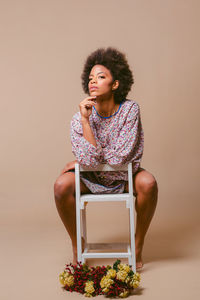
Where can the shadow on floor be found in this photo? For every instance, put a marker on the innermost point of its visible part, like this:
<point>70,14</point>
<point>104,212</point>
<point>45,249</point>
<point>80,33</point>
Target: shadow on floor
<point>172,242</point>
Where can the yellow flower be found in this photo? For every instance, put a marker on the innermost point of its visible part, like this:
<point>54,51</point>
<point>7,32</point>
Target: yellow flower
<point>105,290</point>
<point>136,277</point>
<point>124,267</point>
<point>89,287</point>
<point>130,284</point>
<point>120,267</point>
<point>135,284</point>
<point>106,282</point>
<point>121,275</point>
<point>66,278</point>
<point>127,279</point>
<point>69,280</point>
<point>124,294</point>
<point>87,295</point>
<point>61,279</point>
<point>111,273</point>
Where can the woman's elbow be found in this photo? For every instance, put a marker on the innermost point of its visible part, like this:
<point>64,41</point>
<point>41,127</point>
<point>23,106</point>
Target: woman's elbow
<point>92,163</point>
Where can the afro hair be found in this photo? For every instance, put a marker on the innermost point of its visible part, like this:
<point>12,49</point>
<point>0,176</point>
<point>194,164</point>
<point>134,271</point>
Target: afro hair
<point>116,62</point>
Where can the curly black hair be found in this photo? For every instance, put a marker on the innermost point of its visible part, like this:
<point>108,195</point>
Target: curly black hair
<point>116,62</point>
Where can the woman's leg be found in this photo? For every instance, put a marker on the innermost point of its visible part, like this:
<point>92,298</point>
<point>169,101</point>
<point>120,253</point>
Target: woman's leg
<point>64,192</point>
<point>146,190</point>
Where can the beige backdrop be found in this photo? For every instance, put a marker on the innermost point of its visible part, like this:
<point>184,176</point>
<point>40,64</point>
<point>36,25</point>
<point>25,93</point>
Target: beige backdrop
<point>43,47</point>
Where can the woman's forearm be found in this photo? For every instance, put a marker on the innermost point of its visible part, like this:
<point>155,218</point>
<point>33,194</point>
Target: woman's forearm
<point>87,131</point>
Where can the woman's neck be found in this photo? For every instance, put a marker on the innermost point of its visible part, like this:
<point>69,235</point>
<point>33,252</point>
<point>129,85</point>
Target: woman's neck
<point>106,107</point>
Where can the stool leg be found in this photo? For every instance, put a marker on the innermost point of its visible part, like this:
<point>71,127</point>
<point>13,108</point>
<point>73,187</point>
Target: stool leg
<point>132,236</point>
<point>84,230</point>
<point>78,232</point>
<point>84,225</point>
<point>78,213</point>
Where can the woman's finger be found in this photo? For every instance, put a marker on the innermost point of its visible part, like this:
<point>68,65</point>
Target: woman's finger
<point>89,102</point>
<point>91,97</point>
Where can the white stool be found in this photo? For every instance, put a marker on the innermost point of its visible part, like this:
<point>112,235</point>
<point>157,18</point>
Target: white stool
<point>81,217</point>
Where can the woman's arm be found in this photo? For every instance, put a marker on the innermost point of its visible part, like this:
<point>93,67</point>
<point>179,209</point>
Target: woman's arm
<point>87,131</point>
<point>85,107</point>
<point>128,146</point>
<point>85,152</point>
<point>85,147</point>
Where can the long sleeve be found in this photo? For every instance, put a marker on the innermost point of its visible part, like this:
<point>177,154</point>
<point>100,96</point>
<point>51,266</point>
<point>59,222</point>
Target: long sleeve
<point>85,153</point>
<point>128,145</point>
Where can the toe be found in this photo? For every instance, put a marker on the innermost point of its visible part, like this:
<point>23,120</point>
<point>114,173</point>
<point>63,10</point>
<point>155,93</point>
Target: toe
<point>139,265</point>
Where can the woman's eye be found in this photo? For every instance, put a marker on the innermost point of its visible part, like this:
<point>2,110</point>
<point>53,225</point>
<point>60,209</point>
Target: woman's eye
<point>98,76</point>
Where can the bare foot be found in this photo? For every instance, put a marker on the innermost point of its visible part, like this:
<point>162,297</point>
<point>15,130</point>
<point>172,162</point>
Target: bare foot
<point>75,250</point>
<point>139,265</point>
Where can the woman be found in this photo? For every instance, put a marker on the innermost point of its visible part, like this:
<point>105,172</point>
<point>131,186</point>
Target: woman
<point>107,129</point>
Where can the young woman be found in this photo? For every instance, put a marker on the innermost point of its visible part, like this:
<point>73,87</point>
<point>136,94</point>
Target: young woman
<point>107,129</point>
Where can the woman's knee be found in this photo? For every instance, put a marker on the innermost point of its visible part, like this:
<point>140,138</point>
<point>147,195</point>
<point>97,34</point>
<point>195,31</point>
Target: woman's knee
<point>147,183</point>
<point>64,185</point>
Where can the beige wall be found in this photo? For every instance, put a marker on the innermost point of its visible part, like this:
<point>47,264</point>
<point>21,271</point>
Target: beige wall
<point>43,47</point>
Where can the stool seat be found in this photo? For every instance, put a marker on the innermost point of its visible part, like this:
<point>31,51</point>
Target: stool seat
<point>127,249</point>
<point>105,198</point>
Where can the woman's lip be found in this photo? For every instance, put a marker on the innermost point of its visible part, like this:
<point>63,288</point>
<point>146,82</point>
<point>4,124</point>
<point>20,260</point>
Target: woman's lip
<point>93,88</point>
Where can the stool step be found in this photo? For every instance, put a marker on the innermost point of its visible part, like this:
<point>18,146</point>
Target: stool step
<point>107,246</point>
<point>105,197</point>
<point>94,246</point>
<point>107,255</point>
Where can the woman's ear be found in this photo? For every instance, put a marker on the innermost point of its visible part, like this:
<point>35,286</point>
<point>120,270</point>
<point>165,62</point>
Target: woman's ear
<point>115,85</point>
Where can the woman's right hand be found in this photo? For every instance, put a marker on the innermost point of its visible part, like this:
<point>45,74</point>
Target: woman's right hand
<point>68,166</point>
<point>85,106</point>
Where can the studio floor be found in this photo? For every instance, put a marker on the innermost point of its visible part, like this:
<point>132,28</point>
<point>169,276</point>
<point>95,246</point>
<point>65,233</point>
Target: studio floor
<point>32,256</point>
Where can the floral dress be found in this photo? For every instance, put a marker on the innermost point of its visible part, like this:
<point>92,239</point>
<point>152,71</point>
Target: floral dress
<point>120,140</point>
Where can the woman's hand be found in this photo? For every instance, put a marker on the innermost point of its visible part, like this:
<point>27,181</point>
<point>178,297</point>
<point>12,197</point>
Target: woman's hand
<point>85,106</point>
<point>69,166</point>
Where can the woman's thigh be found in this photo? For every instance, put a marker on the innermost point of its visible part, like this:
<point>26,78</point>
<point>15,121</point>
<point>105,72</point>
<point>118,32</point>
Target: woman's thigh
<point>69,178</point>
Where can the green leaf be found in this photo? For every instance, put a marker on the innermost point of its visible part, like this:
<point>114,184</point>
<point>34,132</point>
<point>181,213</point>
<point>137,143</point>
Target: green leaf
<point>85,268</point>
<point>115,265</point>
<point>130,273</point>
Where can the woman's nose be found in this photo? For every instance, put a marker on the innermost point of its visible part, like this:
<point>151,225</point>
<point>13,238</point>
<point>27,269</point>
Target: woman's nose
<point>93,80</point>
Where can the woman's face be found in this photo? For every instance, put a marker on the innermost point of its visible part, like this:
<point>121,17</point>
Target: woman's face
<point>100,81</point>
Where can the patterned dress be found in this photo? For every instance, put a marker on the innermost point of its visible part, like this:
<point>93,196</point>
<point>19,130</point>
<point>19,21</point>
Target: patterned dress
<point>120,140</point>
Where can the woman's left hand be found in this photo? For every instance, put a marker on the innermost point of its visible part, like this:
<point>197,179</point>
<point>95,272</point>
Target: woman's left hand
<point>68,166</point>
